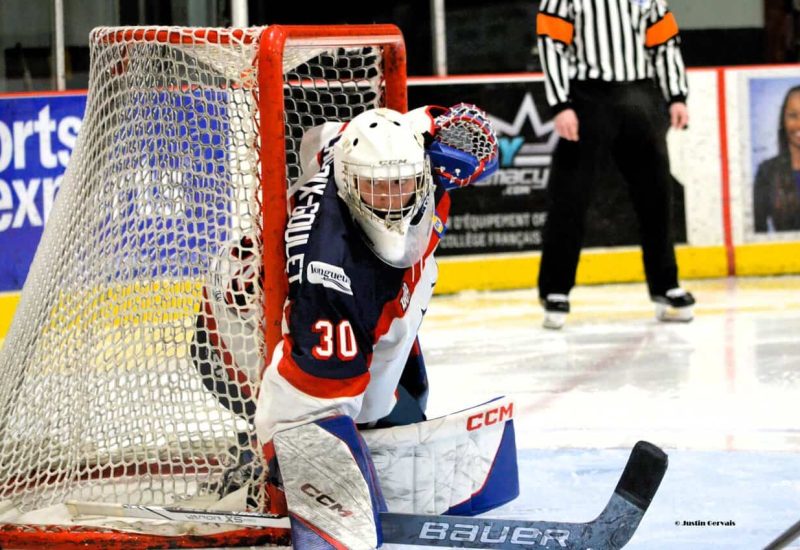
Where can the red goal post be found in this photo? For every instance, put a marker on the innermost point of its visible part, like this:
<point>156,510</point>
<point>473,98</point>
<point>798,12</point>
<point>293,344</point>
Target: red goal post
<point>189,141</point>
<point>274,40</point>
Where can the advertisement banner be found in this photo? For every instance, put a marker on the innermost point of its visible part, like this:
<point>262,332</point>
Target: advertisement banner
<point>37,135</point>
<point>773,189</point>
<point>507,212</point>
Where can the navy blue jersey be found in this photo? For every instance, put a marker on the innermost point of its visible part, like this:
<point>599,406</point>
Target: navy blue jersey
<point>351,320</point>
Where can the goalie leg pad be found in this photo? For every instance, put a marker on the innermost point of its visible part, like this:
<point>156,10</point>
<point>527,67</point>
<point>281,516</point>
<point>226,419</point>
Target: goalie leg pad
<point>331,488</point>
<point>460,464</point>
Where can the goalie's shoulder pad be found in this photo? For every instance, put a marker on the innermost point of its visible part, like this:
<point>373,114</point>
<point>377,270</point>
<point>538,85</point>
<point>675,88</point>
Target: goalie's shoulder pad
<point>314,140</point>
<point>464,463</point>
<point>422,119</point>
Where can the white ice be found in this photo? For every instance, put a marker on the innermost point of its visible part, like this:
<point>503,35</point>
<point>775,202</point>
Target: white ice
<point>721,395</point>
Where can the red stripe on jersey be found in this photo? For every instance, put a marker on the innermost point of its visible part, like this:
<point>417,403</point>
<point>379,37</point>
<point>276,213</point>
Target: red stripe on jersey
<point>233,370</point>
<point>323,388</point>
<point>393,309</point>
<point>443,207</point>
<point>415,349</point>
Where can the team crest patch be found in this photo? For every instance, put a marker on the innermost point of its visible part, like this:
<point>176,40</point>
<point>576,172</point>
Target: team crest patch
<point>329,276</point>
<point>438,226</point>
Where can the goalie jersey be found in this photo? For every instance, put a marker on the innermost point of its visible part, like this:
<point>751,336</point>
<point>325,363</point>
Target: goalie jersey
<point>349,346</point>
<point>350,328</point>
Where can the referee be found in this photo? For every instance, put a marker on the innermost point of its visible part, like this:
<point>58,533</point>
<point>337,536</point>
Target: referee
<point>615,80</point>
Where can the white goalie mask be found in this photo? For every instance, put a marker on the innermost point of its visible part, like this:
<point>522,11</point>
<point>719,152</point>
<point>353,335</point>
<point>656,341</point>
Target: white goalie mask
<point>383,175</point>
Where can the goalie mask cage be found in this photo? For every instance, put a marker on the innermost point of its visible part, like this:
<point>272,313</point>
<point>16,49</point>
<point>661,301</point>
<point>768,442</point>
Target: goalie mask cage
<point>177,183</point>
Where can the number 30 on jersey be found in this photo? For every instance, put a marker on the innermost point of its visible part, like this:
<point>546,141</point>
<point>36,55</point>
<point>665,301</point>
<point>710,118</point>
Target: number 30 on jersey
<point>336,339</point>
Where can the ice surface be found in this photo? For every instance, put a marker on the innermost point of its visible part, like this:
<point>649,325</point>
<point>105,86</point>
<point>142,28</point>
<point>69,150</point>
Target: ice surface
<point>720,395</point>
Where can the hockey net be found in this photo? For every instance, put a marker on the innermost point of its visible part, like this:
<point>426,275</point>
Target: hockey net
<point>177,186</point>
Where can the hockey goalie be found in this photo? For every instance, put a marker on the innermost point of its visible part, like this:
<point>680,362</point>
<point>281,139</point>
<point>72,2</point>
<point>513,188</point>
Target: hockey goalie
<point>340,410</point>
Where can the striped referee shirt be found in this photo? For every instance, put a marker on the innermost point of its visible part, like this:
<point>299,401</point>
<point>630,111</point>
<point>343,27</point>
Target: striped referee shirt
<point>609,40</point>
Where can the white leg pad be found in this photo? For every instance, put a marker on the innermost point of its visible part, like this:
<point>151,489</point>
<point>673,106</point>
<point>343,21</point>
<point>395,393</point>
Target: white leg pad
<point>463,463</point>
<point>330,486</point>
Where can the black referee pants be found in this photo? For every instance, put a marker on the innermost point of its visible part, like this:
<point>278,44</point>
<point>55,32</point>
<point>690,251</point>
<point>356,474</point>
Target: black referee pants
<point>626,123</point>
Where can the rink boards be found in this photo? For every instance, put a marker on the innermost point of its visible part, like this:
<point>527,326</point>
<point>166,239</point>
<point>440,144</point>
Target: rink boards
<point>494,231</point>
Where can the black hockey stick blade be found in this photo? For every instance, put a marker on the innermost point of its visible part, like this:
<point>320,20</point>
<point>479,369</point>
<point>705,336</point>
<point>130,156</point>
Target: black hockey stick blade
<point>643,474</point>
<point>612,529</point>
<point>785,538</point>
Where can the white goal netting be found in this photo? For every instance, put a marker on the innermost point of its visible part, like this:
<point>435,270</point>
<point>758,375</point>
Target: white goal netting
<point>102,395</point>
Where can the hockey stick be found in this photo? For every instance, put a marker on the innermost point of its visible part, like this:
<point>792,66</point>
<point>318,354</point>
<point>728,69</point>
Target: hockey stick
<point>612,529</point>
<point>785,538</point>
<point>243,519</point>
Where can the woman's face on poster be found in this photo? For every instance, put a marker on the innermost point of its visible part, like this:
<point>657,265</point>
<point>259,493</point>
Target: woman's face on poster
<point>791,119</point>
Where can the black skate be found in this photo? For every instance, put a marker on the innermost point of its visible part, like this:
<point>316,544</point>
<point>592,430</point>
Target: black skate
<point>674,306</point>
<point>556,308</point>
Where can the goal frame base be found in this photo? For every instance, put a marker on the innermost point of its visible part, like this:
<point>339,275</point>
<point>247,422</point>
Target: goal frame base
<point>79,538</point>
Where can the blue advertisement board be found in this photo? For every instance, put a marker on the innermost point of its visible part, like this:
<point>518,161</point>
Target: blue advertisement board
<point>37,136</point>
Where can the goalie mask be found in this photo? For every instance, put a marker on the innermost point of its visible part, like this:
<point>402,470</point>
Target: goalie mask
<point>383,175</point>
